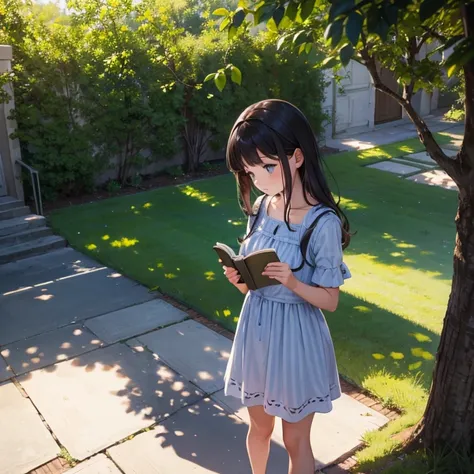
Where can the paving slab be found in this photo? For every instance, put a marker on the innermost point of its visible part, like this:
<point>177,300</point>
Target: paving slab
<point>99,464</point>
<point>332,435</point>
<point>129,322</point>
<point>200,439</point>
<point>425,166</point>
<point>393,167</point>
<point>5,370</point>
<point>426,158</point>
<point>435,178</point>
<point>48,348</point>
<point>55,302</point>
<point>25,443</point>
<point>101,397</point>
<point>36,270</point>
<point>194,351</point>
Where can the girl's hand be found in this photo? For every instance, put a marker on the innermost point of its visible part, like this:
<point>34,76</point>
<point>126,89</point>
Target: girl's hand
<point>281,272</point>
<point>232,275</point>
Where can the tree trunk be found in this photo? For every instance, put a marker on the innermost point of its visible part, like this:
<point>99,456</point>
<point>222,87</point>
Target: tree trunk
<point>449,415</point>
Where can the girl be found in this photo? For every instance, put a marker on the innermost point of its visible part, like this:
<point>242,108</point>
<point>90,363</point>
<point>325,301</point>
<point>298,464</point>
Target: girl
<point>282,362</point>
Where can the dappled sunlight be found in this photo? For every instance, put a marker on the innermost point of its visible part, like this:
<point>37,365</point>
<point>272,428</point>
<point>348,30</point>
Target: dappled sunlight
<point>350,205</point>
<point>44,297</point>
<point>91,247</point>
<point>407,149</point>
<point>239,222</point>
<point>124,242</point>
<point>397,355</point>
<point>204,375</point>
<point>435,178</point>
<point>201,196</point>
<point>419,352</point>
<point>420,337</point>
<point>210,276</point>
<point>106,237</point>
<point>171,276</point>
<point>225,313</point>
<point>413,294</point>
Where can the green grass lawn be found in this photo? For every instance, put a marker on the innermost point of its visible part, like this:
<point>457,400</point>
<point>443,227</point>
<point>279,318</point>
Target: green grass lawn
<point>387,327</point>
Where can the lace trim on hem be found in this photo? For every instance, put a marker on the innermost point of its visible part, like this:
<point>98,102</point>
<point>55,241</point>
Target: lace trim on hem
<point>276,403</point>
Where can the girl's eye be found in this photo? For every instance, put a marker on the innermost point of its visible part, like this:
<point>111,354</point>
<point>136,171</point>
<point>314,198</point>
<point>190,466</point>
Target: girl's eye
<point>270,168</point>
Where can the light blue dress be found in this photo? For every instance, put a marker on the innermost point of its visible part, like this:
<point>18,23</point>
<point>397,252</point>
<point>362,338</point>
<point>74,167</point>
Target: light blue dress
<point>283,356</point>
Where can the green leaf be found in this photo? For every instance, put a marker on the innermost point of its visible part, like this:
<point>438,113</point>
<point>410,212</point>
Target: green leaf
<point>220,80</point>
<point>373,18</point>
<point>339,7</point>
<point>263,13</point>
<point>239,17</point>
<point>306,9</point>
<point>232,32</point>
<point>271,25</point>
<point>224,24</point>
<point>390,13</point>
<point>209,77</point>
<point>354,27</point>
<point>309,47</point>
<point>236,75</point>
<point>221,12</point>
<point>300,37</point>
<point>329,62</point>
<point>334,32</point>
<point>346,54</point>
<point>278,15</point>
<point>429,7</point>
<point>301,48</point>
<point>463,53</point>
<point>280,41</point>
<point>291,11</point>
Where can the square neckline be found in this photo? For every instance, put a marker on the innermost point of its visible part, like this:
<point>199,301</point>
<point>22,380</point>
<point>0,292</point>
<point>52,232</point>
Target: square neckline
<point>267,204</point>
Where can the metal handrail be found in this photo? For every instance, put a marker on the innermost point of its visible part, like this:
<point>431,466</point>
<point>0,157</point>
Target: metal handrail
<point>35,181</point>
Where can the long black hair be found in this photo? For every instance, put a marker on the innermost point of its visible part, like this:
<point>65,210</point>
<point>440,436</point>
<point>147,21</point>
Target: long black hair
<point>277,128</point>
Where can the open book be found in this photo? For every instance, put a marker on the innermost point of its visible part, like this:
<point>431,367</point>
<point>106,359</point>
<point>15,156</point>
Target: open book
<point>249,267</point>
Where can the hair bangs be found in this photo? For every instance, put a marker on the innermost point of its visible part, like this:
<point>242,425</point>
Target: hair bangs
<point>246,140</point>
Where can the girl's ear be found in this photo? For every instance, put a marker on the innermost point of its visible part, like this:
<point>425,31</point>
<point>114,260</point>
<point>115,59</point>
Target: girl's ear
<point>299,157</point>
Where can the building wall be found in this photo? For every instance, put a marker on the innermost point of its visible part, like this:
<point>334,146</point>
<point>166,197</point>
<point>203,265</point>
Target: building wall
<point>9,149</point>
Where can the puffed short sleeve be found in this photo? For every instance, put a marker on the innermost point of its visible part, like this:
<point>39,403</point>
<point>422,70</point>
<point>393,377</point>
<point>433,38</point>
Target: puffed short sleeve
<point>325,252</point>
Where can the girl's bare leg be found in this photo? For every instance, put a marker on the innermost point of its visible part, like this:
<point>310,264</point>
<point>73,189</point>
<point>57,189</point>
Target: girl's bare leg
<point>296,437</point>
<point>258,438</point>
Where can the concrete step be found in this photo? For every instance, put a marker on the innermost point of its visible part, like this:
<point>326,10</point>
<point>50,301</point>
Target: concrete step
<point>7,202</point>
<point>20,224</point>
<point>12,213</point>
<point>25,236</point>
<point>29,249</point>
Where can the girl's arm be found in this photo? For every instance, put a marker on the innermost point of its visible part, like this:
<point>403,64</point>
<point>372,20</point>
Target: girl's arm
<point>323,298</point>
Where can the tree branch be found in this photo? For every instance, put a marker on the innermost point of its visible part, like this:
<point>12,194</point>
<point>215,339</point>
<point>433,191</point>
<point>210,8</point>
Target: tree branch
<point>435,34</point>
<point>451,166</point>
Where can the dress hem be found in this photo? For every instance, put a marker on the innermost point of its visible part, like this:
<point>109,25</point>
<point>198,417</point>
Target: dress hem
<point>280,412</point>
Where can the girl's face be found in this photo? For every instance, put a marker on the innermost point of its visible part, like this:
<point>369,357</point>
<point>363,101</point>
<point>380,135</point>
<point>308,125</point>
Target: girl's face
<point>268,176</point>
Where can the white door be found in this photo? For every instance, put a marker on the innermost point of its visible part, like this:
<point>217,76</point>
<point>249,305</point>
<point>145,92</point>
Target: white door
<point>355,99</point>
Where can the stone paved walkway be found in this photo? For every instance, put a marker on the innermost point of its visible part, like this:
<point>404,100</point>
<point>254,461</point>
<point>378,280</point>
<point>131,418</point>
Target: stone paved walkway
<point>417,167</point>
<point>96,367</point>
